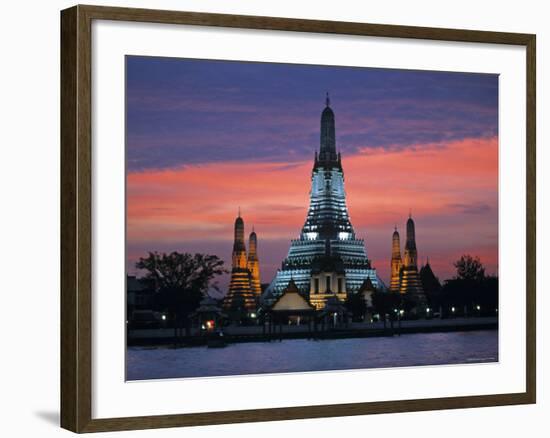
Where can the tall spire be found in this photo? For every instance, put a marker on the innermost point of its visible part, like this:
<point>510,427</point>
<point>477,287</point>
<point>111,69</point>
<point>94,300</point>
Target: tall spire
<point>253,263</point>
<point>239,248</point>
<point>327,243</point>
<point>328,136</point>
<point>411,238</point>
<point>410,279</point>
<point>396,262</point>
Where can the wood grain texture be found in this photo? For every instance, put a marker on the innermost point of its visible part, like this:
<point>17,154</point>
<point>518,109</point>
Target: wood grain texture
<point>69,329</point>
<point>76,223</point>
<point>531,250</point>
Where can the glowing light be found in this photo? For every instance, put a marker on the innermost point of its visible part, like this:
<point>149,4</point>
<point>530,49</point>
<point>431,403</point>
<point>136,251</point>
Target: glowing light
<point>452,309</point>
<point>312,236</point>
<point>342,235</point>
<point>163,317</point>
<point>478,307</point>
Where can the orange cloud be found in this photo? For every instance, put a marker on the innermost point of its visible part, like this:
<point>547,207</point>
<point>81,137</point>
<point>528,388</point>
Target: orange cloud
<point>451,188</point>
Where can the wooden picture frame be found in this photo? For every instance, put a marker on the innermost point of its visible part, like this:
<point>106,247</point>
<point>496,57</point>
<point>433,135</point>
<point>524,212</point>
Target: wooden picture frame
<point>76,217</point>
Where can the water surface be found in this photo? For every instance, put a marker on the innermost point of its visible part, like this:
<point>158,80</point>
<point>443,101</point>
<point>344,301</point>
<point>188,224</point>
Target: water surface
<point>298,355</point>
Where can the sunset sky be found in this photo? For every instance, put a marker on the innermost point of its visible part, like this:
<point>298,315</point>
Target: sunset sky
<point>207,137</point>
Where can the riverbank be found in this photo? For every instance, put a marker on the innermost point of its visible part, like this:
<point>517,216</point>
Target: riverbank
<point>257,333</point>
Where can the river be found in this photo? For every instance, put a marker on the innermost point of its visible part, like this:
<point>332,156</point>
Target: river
<point>299,355</point>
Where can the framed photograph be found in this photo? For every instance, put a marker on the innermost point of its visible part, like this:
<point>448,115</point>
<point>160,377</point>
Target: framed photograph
<point>269,218</point>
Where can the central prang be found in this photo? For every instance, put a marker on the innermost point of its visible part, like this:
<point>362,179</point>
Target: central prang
<point>327,259</point>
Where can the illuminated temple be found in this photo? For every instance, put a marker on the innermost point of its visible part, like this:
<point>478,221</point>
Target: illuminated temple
<point>244,286</point>
<point>327,259</point>
<point>405,277</point>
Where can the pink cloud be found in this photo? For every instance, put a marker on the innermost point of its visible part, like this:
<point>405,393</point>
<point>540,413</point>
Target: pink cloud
<point>451,188</point>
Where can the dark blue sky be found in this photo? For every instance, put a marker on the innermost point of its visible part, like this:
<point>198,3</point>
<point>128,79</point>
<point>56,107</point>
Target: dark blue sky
<point>185,111</point>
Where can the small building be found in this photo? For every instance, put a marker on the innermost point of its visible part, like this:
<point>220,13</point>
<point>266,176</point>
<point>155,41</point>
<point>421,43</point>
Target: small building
<point>367,289</point>
<point>290,306</point>
<point>208,315</point>
<point>334,314</point>
<point>140,295</point>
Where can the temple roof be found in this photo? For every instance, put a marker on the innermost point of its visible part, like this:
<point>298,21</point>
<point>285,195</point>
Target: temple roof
<point>367,286</point>
<point>291,299</point>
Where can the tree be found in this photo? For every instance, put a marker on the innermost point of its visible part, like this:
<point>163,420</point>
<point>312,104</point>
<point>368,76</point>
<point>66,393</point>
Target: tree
<point>355,303</point>
<point>181,271</point>
<point>385,303</point>
<point>469,268</point>
<point>181,280</point>
<point>470,288</point>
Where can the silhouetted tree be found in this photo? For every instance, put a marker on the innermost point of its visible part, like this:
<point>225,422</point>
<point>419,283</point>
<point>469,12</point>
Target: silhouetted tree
<point>470,288</point>
<point>181,280</point>
<point>469,268</point>
<point>355,303</point>
<point>384,304</point>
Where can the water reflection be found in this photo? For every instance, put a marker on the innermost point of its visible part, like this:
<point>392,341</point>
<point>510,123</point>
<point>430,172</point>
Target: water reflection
<point>300,355</point>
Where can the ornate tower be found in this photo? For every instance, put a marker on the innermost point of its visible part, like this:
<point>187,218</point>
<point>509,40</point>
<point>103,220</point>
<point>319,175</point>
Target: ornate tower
<point>410,245</point>
<point>239,297</point>
<point>327,256</point>
<point>239,248</point>
<point>396,263</point>
<point>410,280</point>
<point>253,264</point>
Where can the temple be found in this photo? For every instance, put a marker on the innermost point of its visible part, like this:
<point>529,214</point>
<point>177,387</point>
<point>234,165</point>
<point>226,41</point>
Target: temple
<point>405,277</point>
<point>241,297</point>
<point>430,283</point>
<point>327,258</point>
<point>396,262</point>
